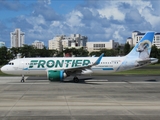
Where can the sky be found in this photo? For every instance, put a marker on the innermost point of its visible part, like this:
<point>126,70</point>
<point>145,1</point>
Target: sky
<point>99,20</point>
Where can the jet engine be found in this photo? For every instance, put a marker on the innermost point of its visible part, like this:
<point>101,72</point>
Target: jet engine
<point>56,75</point>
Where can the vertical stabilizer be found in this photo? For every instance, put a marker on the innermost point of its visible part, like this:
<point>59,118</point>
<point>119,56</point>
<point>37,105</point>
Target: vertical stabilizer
<point>143,47</point>
<point>140,52</point>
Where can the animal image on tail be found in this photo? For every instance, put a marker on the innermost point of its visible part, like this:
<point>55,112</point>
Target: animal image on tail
<point>144,49</point>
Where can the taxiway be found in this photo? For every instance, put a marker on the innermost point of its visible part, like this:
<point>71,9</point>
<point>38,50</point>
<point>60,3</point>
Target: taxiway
<point>95,98</point>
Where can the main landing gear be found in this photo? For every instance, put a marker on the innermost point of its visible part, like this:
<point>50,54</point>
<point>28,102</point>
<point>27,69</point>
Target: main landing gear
<point>22,80</point>
<point>75,79</point>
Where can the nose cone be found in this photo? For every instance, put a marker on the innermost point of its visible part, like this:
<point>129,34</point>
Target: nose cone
<point>4,69</point>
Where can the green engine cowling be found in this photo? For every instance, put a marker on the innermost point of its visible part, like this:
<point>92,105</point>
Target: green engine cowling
<point>56,75</point>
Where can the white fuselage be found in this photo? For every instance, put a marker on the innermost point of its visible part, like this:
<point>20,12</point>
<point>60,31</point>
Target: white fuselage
<point>39,66</point>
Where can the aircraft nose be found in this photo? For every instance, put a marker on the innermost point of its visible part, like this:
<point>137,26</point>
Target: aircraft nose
<point>4,69</point>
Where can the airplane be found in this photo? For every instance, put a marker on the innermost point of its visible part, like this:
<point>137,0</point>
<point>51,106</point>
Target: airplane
<point>58,68</point>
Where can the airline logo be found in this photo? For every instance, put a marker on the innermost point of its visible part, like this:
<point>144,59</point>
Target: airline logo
<point>58,63</point>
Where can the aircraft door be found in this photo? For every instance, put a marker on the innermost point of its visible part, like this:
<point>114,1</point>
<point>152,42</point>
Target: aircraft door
<point>23,67</point>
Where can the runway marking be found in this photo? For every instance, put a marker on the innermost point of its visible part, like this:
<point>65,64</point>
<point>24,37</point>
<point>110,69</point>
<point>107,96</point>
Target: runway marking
<point>124,82</point>
<point>29,83</point>
<point>96,80</point>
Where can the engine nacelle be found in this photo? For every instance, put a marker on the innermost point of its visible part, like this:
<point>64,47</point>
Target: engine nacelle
<point>56,75</point>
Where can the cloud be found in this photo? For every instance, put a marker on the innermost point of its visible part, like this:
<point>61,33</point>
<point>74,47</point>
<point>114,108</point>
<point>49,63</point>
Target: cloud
<point>47,1</point>
<point>38,20</point>
<point>113,12</point>
<point>97,19</point>
<point>134,17</point>
<point>56,24</point>
<point>153,19</point>
<point>4,33</point>
<point>44,9</point>
<point>14,5</point>
<point>155,7</point>
<point>74,19</point>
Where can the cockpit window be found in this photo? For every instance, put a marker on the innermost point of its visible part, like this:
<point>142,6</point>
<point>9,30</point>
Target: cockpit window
<point>10,63</point>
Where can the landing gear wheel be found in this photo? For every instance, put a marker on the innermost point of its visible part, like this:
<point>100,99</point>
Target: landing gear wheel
<point>75,79</point>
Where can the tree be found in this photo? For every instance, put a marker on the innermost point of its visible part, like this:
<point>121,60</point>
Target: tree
<point>52,53</point>
<point>155,52</point>
<point>14,51</point>
<point>59,54</point>
<point>82,52</point>
<point>43,52</point>
<point>108,52</point>
<point>127,48</point>
<point>118,50</point>
<point>75,52</point>
<point>67,51</point>
<point>96,53</point>
<point>3,55</point>
<point>27,51</point>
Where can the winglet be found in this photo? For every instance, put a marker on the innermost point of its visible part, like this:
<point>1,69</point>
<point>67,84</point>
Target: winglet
<point>99,59</point>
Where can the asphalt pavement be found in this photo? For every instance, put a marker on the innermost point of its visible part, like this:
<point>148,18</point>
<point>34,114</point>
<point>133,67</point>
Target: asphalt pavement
<point>94,98</point>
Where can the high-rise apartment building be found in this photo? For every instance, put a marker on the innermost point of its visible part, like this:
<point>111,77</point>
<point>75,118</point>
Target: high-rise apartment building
<point>74,40</point>
<point>38,44</point>
<point>63,41</point>
<point>56,43</point>
<point>17,38</point>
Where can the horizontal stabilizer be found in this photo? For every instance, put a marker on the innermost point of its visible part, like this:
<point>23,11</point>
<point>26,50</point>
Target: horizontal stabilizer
<point>149,60</point>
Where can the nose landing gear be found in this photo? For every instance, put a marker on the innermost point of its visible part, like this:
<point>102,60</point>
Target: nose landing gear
<point>22,80</point>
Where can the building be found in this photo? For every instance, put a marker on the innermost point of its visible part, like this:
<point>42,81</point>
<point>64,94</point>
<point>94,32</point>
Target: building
<point>74,40</point>
<point>38,44</point>
<point>96,46</point>
<point>2,44</point>
<point>63,41</point>
<point>17,38</point>
<point>136,37</point>
<point>130,41</point>
<point>156,41</point>
<point>56,43</point>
